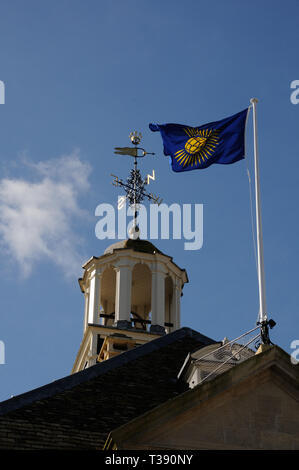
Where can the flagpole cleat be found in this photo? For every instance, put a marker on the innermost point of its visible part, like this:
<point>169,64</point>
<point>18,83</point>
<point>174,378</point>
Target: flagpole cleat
<point>265,325</point>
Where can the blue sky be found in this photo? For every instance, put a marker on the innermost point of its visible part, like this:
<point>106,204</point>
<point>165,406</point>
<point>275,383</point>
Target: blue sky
<point>79,77</point>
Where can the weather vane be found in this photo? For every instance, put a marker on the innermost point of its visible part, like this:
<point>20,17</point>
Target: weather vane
<point>134,186</point>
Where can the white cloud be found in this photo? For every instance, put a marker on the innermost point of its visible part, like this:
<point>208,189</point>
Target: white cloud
<point>36,218</point>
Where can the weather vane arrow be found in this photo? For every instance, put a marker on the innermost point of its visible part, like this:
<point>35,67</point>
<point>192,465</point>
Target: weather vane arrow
<point>132,151</point>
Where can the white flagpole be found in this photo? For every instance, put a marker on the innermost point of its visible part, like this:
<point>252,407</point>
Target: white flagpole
<point>259,234</point>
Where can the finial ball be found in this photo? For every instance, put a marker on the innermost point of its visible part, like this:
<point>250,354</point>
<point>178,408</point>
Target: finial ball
<point>134,232</point>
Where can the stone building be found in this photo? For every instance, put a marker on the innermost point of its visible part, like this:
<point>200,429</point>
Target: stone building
<point>137,381</point>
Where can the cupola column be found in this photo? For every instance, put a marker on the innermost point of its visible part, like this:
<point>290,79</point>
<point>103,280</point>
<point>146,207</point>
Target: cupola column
<point>158,298</point>
<point>176,304</point>
<point>86,298</point>
<point>123,295</point>
<point>94,297</point>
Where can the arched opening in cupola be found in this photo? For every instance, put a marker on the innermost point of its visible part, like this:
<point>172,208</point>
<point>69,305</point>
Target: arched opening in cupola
<point>141,296</point>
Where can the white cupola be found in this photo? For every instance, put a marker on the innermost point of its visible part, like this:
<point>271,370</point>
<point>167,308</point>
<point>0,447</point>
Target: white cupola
<point>132,295</point>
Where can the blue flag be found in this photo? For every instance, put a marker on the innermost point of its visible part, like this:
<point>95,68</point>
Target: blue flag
<point>195,148</point>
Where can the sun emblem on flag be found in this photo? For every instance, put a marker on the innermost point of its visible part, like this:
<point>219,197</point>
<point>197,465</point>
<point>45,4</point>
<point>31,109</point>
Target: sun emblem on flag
<point>200,146</point>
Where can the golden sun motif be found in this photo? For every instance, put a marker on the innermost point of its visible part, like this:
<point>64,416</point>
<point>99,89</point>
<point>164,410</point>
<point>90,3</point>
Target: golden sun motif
<point>199,147</point>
